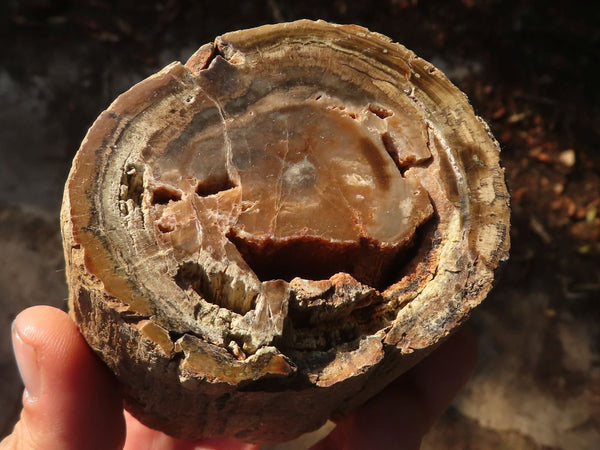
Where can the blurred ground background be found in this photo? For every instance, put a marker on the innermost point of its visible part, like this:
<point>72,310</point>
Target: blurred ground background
<point>530,69</point>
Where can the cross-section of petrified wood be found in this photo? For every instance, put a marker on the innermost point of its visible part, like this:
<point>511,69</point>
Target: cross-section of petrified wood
<point>266,236</point>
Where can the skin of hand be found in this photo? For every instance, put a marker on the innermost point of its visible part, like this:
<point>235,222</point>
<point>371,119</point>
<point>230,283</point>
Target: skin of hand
<point>71,401</point>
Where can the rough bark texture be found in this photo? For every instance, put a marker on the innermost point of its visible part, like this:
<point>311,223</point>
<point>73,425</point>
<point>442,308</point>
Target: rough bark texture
<point>266,236</point>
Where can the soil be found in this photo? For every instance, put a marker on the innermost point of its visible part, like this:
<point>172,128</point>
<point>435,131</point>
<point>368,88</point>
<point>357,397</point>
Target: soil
<point>529,69</point>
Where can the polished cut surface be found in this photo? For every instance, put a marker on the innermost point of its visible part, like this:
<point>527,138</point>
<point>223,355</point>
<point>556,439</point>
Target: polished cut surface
<point>266,236</point>
<point>304,188</point>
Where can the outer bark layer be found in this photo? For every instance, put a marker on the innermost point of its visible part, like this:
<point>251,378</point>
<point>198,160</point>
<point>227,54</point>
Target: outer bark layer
<point>266,236</point>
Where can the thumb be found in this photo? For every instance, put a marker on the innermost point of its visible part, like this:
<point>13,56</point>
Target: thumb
<point>70,401</point>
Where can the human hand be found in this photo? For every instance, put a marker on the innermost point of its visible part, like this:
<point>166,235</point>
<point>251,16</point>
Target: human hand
<point>71,401</point>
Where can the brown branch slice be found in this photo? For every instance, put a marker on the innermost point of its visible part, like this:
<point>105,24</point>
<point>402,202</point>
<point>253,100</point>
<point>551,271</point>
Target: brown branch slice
<point>266,236</point>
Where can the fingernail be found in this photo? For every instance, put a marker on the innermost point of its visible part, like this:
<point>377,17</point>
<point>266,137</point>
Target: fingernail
<point>27,363</point>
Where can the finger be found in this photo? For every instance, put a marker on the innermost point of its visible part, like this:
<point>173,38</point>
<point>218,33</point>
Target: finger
<point>403,412</point>
<point>140,437</point>
<point>440,376</point>
<point>70,401</point>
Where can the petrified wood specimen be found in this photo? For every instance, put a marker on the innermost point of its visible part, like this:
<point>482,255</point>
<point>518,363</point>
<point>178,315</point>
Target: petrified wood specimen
<point>266,236</point>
